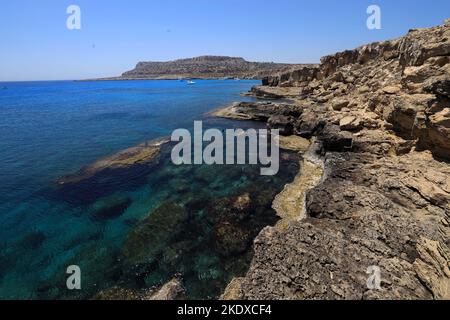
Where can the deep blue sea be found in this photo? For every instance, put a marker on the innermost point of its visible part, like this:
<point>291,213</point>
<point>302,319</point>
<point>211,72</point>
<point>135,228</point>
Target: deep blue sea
<point>50,129</point>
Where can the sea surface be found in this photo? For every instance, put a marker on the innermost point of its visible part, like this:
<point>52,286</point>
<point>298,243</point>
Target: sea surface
<point>181,214</point>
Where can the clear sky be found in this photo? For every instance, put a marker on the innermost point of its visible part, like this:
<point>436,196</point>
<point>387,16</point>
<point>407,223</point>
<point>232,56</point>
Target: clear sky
<point>35,43</point>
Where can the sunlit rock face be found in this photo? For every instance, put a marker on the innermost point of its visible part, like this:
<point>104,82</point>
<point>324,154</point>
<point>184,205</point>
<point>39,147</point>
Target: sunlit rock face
<point>380,117</point>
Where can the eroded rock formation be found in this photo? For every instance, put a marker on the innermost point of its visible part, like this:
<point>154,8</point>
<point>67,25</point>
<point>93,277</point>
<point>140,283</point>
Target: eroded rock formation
<point>380,117</point>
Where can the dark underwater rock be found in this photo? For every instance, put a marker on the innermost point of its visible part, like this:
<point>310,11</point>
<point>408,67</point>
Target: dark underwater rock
<point>126,169</point>
<point>238,219</point>
<point>33,240</point>
<point>144,154</point>
<point>231,239</point>
<point>152,234</point>
<point>234,208</point>
<point>111,208</point>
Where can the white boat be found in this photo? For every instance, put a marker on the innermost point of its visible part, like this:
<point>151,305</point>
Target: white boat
<point>190,82</point>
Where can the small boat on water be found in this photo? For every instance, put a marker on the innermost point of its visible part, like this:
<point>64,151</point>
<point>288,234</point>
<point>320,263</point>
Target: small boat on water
<point>190,82</point>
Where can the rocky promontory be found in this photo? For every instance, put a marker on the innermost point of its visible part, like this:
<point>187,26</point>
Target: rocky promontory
<point>205,67</point>
<point>374,192</point>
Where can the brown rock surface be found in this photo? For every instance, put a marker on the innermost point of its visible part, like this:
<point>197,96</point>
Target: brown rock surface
<point>380,117</point>
<point>144,154</point>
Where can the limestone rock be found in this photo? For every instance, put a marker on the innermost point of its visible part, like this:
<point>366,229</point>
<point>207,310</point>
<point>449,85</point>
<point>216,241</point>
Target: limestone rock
<point>144,154</point>
<point>350,123</point>
<point>380,116</point>
<point>432,267</point>
<point>162,223</point>
<point>391,89</point>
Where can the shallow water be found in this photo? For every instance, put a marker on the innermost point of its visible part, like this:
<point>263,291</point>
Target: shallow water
<point>49,129</point>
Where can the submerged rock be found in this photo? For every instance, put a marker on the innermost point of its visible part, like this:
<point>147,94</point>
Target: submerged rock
<point>144,154</point>
<point>33,240</point>
<point>231,239</point>
<point>152,234</point>
<point>235,208</point>
<point>230,235</point>
<point>356,218</point>
<point>380,116</point>
<point>350,123</point>
<point>122,171</point>
<point>209,238</point>
<point>237,220</point>
<point>111,208</point>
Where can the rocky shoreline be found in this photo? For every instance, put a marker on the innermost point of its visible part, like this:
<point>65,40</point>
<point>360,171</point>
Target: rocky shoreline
<point>371,127</point>
<point>380,119</point>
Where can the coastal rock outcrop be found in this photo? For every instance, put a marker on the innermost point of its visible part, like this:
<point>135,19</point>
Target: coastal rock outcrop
<point>380,118</point>
<point>404,82</point>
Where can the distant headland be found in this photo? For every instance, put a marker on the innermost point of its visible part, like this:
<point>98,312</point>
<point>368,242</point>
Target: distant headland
<point>204,67</point>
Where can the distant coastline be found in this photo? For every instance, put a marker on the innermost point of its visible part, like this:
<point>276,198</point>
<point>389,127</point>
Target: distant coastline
<point>203,68</point>
<point>168,77</point>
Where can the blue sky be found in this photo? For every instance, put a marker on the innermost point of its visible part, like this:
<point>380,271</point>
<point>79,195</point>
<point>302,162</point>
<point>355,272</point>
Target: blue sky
<point>36,45</point>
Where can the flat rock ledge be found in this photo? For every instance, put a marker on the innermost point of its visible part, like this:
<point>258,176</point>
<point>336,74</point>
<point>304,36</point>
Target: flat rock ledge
<point>365,212</point>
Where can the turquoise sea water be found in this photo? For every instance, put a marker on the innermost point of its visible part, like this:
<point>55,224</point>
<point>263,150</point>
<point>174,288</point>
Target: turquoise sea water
<point>49,129</point>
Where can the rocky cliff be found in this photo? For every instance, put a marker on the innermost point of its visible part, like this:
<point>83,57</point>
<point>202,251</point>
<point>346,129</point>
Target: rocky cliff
<point>404,82</point>
<point>206,67</point>
<point>374,190</point>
